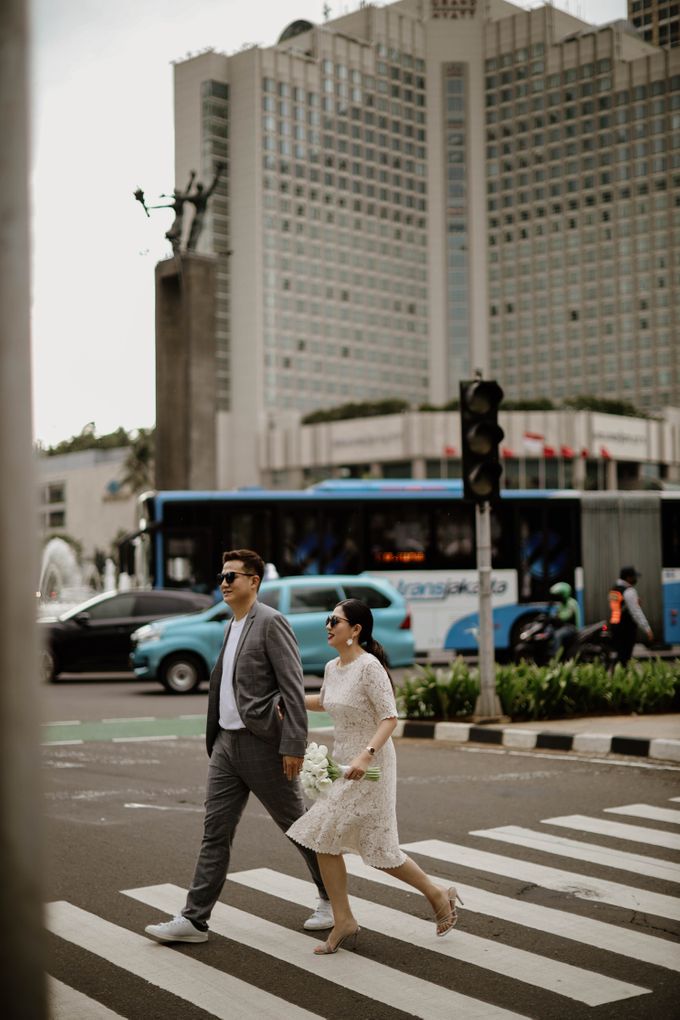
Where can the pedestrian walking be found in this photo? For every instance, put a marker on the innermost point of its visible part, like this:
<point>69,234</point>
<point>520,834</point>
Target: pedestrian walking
<point>354,816</point>
<point>625,615</point>
<point>256,735</point>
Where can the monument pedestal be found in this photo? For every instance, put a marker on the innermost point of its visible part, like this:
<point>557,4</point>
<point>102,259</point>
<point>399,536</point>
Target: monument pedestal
<point>185,372</point>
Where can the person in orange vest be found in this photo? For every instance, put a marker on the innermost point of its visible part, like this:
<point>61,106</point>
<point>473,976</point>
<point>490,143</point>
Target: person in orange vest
<point>625,614</point>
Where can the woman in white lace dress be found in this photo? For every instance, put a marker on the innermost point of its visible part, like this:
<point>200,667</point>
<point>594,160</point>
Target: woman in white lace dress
<point>356,817</point>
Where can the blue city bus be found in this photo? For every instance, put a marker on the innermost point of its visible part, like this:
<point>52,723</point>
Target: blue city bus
<point>420,535</point>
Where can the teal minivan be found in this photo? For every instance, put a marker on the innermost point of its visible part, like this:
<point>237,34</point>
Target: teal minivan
<point>181,652</point>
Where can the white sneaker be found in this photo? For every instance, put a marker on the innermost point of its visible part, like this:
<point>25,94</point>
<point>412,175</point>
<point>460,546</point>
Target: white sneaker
<point>321,918</point>
<point>180,929</point>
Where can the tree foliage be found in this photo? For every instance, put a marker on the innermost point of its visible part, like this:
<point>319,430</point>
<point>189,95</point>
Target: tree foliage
<point>365,409</point>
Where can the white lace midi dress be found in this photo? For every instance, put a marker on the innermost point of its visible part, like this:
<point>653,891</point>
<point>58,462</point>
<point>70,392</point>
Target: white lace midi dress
<point>356,816</point>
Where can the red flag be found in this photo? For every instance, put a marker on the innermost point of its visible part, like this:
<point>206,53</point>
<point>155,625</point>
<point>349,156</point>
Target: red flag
<point>549,451</point>
<point>566,452</point>
<point>450,451</point>
<point>604,453</point>
<point>507,453</point>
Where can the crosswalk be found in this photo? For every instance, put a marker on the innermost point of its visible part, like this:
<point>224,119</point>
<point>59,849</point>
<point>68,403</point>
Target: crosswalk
<point>534,940</point>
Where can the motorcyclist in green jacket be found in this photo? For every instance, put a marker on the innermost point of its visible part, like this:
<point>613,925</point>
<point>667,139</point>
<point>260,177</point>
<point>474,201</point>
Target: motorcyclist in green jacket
<point>567,614</point>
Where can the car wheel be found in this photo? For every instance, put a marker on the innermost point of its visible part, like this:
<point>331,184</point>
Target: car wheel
<point>48,667</point>
<point>182,673</point>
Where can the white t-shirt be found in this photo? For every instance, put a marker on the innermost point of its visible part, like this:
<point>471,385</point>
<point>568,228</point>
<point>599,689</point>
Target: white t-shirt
<point>229,717</point>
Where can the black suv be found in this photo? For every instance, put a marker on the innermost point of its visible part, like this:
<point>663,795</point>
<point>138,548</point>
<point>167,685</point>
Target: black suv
<point>95,636</point>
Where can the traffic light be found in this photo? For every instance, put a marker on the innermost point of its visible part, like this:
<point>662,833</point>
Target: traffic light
<point>480,437</point>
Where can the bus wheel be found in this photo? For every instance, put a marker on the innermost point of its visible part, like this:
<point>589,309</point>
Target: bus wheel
<point>182,673</point>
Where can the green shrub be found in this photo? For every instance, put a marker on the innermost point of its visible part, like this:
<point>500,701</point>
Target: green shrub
<point>528,691</point>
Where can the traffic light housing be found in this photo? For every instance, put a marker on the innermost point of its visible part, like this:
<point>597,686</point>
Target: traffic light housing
<point>480,437</point>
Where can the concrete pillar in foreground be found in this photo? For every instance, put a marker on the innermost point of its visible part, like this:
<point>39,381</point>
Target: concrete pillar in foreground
<point>22,986</point>
<point>186,388</point>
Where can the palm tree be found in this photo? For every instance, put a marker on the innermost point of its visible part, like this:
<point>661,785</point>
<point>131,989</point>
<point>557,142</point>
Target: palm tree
<point>139,463</point>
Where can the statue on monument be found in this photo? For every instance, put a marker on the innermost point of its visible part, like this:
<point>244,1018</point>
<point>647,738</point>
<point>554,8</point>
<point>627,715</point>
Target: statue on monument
<point>199,199</point>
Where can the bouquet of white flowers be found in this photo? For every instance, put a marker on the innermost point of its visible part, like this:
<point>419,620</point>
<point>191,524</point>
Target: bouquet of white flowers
<point>319,771</point>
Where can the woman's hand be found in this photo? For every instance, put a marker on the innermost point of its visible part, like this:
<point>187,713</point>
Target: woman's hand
<point>358,766</point>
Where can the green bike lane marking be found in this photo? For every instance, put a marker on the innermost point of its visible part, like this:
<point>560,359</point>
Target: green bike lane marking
<point>121,730</point>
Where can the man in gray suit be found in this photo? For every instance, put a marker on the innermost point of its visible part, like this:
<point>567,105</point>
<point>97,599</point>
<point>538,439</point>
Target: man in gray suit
<point>256,735</point>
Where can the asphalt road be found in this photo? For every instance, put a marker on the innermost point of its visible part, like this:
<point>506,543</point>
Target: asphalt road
<point>572,917</point>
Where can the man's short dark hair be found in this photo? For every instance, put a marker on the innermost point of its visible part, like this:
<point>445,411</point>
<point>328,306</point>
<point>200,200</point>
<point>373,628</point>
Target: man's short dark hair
<point>253,563</point>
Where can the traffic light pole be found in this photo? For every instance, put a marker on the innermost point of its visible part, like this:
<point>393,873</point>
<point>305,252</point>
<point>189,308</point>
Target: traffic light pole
<point>488,706</point>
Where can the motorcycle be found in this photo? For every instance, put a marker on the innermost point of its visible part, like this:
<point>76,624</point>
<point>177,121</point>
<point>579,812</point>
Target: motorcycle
<point>587,644</point>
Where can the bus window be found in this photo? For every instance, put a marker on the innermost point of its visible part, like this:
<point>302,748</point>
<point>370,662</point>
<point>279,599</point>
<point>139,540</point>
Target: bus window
<point>454,537</point>
<point>299,551</point>
<point>186,561</point>
<point>670,533</point>
<point>548,549</point>
<point>340,532</point>
<point>251,529</point>
<point>398,537</point>
<point>317,541</point>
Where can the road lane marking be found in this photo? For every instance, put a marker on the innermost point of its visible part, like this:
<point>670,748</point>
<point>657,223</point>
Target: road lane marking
<point>131,719</point>
<point>140,728</point>
<point>617,830</point>
<point>219,994</point>
<point>137,740</point>
<point>492,955</point>
<point>601,934</point>
<point>165,807</point>
<point>65,1003</point>
<point>573,758</point>
<point>656,814</point>
<point>378,982</point>
<point>547,843</point>
<point>582,886</point>
<point>61,743</point>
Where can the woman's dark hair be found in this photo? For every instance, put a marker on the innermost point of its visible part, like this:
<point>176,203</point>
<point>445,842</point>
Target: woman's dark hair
<point>357,612</point>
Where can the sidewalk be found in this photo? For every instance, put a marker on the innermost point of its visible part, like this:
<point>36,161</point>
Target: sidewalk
<point>642,736</point>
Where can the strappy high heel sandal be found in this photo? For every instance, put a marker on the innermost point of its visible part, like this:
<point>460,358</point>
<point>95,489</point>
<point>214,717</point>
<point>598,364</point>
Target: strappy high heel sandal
<point>327,950</point>
<point>446,922</point>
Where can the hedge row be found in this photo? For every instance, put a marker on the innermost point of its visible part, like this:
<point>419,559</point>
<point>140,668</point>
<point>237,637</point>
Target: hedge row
<point>528,691</point>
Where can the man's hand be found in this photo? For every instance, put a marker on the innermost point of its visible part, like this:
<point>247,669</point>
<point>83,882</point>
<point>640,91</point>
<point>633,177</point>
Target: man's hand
<point>291,766</point>
<point>650,634</point>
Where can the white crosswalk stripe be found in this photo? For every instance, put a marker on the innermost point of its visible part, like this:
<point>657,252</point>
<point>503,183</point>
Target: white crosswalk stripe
<point>547,843</point>
<point>221,995</point>
<point>603,827</point>
<point>541,972</point>
<point>581,886</point>
<point>623,941</point>
<point>657,814</point>
<point>421,991</point>
<point>375,980</point>
<point>66,1003</point>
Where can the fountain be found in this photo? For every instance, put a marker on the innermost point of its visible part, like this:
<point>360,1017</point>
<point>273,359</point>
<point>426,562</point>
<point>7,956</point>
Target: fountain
<point>61,579</point>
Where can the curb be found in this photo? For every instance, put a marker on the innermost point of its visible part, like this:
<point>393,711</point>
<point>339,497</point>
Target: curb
<point>529,740</point>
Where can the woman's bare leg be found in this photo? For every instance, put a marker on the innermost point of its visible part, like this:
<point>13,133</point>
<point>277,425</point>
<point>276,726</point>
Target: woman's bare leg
<point>334,874</point>
<point>410,873</point>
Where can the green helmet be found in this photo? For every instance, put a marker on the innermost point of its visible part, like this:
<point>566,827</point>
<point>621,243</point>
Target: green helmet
<point>561,590</point>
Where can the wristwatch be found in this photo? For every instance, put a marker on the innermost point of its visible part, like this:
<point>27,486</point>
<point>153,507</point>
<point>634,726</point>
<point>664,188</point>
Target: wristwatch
<point>371,750</point>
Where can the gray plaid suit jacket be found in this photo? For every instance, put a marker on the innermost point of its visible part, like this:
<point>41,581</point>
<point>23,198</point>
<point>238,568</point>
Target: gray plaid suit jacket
<point>267,673</point>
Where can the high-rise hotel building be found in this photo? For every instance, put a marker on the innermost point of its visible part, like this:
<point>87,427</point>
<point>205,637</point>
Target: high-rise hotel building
<point>421,189</point>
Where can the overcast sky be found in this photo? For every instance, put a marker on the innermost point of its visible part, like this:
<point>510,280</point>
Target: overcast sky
<point>102,126</point>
